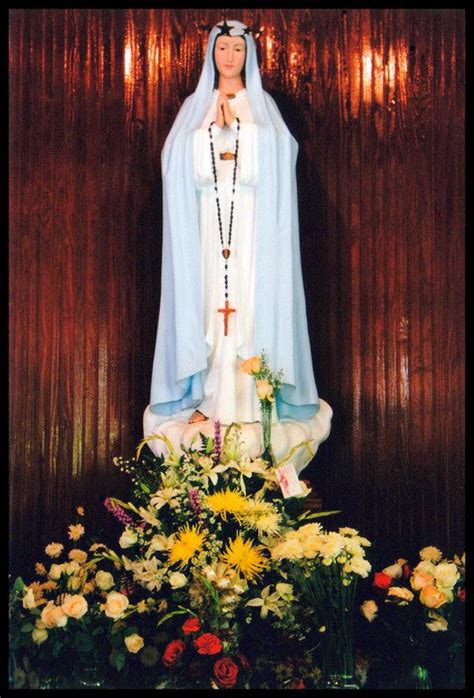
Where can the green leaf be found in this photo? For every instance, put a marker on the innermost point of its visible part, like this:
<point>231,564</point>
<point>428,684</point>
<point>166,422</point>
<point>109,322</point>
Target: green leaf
<point>145,488</point>
<point>119,661</point>
<point>170,615</point>
<point>27,628</point>
<point>319,514</point>
<point>18,585</point>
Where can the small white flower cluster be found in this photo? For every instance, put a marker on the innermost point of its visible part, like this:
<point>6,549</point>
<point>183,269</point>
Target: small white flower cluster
<point>311,545</point>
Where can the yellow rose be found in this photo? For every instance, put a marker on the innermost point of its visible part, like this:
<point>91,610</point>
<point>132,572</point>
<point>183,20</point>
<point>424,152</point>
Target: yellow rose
<point>71,567</point>
<point>419,580</point>
<point>53,616</point>
<point>437,623</point>
<point>39,635</point>
<point>75,606</point>
<point>104,580</point>
<point>29,599</point>
<point>369,610</point>
<point>446,574</point>
<point>401,593</point>
<point>251,365</point>
<point>134,643</point>
<point>432,597</point>
<point>264,390</point>
<point>115,605</point>
<point>74,583</point>
<point>55,571</point>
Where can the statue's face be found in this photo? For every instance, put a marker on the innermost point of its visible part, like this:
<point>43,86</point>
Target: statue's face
<point>229,54</point>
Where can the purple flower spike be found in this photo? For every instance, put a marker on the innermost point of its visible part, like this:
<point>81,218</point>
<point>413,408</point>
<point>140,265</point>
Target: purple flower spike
<point>216,452</point>
<point>193,495</point>
<point>118,512</point>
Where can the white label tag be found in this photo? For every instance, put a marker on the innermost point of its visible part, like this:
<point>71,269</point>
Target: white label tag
<point>288,481</point>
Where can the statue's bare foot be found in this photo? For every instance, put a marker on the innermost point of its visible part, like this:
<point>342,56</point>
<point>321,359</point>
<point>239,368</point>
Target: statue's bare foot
<point>197,417</point>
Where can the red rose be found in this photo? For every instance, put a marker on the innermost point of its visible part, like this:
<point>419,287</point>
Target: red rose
<point>406,571</point>
<point>244,661</point>
<point>192,625</point>
<point>225,671</point>
<point>462,593</point>
<point>382,580</point>
<point>298,683</point>
<point>173,652</point>
<point>208,644</point>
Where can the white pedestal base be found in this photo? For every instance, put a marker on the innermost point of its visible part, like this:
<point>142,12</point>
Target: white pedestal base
<point>285,434</point>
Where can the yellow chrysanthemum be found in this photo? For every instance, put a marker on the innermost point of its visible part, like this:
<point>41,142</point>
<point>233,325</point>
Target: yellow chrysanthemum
<point>188,542</point>
<point>226,502</point>
<point>246,557</point>
<point>262,516</point>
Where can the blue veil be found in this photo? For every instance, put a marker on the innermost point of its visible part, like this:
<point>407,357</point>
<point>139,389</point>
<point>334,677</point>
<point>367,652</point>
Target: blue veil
<point>180,362</point>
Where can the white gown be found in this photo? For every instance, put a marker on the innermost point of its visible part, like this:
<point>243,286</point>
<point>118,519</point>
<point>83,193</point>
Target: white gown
<point>229,393</point>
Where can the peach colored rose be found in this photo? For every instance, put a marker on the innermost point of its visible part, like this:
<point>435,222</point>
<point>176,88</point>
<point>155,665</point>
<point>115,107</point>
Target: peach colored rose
<point>264,390</point>
<point>437,622</point>
<point>419,580</point>
<point>115,605</point>
<point>401,593</point>
<point>75,606</point>
<point>53,616</point>
<point>251,365</point>
<point>432,597</point>
<point>369,609</point>
<point>55,571</point>
<point>431,553</point>
<point>134,643</point>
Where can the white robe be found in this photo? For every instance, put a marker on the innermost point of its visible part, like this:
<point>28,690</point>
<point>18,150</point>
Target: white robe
<point>229,393</point>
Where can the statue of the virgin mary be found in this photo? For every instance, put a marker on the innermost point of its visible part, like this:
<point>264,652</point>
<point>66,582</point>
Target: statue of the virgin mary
<point>231,283</point>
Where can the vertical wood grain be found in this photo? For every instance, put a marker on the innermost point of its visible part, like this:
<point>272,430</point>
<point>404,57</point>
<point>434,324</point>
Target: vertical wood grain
<point>375,99</point>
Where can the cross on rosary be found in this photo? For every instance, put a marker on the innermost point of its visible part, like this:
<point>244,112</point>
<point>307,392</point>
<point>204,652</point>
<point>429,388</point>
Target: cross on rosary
<point>227,311</point>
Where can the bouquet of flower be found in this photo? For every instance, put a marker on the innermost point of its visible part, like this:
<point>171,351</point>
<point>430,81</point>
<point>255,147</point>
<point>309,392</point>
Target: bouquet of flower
<point>195,549</point>
<point>267,384</point>
<point>421,610</point>
<point>324,567</point>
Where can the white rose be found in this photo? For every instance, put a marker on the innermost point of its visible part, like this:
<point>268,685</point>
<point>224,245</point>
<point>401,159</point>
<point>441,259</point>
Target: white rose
<point>104,580</point>
<point>177,580</point>
<point>115,605</point>
<point>75,606</point>
<point>128,538</point>
<point>426,567</point>
<point>446,574</point>
<point>134,643</point>
<point>29,599</point>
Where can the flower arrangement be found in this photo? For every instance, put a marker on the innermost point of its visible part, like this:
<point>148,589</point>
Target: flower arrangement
<point>267,384</point>
<point>324,567</point>
<point>193,558</point>
<point>420,610</point>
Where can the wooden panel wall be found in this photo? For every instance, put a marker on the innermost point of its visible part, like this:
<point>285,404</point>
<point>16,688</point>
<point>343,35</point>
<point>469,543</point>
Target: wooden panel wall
<point>376,101</point>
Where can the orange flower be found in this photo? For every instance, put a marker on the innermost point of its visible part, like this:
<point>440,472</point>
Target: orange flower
<point>251,365</point>
<point>432,597</point>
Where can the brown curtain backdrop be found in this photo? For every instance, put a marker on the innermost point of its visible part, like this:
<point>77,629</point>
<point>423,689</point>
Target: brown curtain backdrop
<point>375,99</point>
